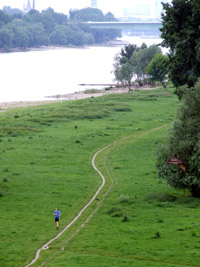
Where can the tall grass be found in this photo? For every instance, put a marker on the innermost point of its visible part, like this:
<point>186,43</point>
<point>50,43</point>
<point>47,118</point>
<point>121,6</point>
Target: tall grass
<point>46,154</point>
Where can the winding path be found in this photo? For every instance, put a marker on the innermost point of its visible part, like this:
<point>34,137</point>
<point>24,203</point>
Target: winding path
<point>46,246</point>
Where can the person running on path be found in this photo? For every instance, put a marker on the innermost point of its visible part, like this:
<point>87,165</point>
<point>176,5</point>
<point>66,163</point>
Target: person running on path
<point>57,214</point>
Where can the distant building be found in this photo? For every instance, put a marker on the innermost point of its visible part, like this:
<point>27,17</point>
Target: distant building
<point>27,8</point>
<point>33,4</point>
<point>11,11</point>
<point>94,3</point>
<point>138,11</point>
<point>143,9</point>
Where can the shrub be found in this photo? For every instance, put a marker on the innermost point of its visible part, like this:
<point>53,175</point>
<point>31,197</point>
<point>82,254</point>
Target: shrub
<point>123,109</point>
<point>157,235</point>
<point>108,88</point>
<point>113,209</point>
<point>194,234</point>
<point>184,145</point>
<point>126,199</point>
<point>115,212</point>
<point>125,219</point>
<point>161,196</point>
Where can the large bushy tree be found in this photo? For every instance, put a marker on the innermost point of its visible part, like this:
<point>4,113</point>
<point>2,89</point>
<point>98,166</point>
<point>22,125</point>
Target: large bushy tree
<point>133,60</point>
<point>4,19</point>
<point>141,59</point>
<point>6,37</point>
<point>158,69</point>
<point>123,69</point>
<point>181,33</point>
<point>184,145</point>
<point>88,14</point>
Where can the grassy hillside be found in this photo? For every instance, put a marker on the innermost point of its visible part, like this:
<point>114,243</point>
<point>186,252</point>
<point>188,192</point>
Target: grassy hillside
<point>46,154</point>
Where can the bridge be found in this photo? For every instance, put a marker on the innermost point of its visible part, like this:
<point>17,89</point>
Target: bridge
<point>138,26</point>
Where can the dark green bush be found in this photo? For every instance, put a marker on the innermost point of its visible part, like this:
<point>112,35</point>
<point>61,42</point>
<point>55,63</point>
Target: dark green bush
<point>157,235</point>
<point>125,219</point>
<point>113,210</point>
<point>184,144</point>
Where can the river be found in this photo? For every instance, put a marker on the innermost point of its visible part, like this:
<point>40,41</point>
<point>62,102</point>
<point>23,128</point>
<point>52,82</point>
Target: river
<point>33,75</point>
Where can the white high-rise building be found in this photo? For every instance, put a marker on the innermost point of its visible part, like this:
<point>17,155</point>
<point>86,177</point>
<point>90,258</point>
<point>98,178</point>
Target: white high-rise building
<point>144,9</point>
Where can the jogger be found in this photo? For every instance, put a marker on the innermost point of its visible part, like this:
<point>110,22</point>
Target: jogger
<point>57,214</point>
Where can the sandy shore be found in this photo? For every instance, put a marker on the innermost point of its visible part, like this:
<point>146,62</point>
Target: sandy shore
<point>66,97</point>
<point>60,98</point>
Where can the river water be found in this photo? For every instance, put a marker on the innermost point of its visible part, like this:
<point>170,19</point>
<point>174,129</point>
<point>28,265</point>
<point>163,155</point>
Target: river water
<point>33,75</point>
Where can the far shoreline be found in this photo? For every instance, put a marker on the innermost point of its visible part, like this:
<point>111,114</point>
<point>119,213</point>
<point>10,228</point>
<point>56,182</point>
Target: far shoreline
<point>113,43</point>
<point>51,47</point>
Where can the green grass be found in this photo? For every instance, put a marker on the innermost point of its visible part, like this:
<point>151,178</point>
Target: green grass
<point>46,154</point>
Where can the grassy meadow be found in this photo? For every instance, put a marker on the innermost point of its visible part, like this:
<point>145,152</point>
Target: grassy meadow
<point>46,154</point>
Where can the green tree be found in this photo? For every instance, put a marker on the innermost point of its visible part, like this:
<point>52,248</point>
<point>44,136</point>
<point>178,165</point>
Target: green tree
<point>21,35</point>
<point>184,145</point>
<point>46,18</point>
<point>89,14</point>
<point>21,38</point>
<point>123,70</point>
<point>60,35</point>
<point>158,69</point>
<point>181,33</point>
<point>4,19</point>
<point>60,18</point>
<point>94,14</point>
<point>127,52</point>
<point>37,34</point>
<point>6,37</point>
<point>124,74</point>
<point>140,60</point>
<point>109,17</point>
<point>72,14</point>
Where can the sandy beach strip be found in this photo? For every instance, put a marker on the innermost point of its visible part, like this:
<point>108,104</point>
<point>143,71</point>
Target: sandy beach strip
<point>66,97</point>
<point>60,98</point>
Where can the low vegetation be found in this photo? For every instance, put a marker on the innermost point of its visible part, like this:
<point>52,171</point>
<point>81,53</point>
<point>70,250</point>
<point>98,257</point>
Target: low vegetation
<point>46,154</point>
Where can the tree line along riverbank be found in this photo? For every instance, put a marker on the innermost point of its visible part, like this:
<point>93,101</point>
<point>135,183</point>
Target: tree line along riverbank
<point>45,28</point>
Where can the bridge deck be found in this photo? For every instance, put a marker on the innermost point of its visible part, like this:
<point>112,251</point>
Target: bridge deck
<point>125,25</point>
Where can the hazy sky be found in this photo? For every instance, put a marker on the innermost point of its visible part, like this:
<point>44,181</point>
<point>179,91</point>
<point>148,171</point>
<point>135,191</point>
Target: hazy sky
<point>114,6</point>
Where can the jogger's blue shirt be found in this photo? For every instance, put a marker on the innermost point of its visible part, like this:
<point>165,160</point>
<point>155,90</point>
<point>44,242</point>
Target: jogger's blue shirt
<point>57,213</point>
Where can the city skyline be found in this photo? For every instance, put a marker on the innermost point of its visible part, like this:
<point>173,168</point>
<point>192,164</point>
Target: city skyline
<point>63,6</point>
<point>144,9</point>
